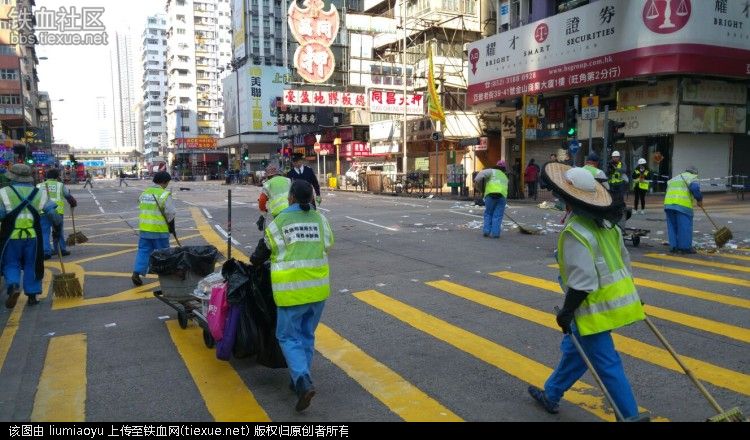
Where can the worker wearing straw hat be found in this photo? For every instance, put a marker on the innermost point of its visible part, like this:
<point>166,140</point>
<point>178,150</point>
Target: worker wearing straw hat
<point>21,210</point>
<point>600,292</point>
<point>678,206</point>
<point>154,228</point>
<point>274,197</point>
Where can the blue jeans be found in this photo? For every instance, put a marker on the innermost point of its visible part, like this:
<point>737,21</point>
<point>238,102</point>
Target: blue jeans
<point>493,215</point>
<point>295,330</point>
<point>46,233</point>
<point>21,255</point>
<point>679,229</point>
<point>601,351</point>
<point>145,247</point>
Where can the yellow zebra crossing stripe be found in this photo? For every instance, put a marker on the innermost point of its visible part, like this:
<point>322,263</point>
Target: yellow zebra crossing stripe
<point>719,376</point>
<point>395,392</point>
<point>708,325</point>
<point>692,274</point>
<point>517,365</point>
<point>226,396</point>
<point>61,392</point>
<point>727,256</point>
<point>698,262</point>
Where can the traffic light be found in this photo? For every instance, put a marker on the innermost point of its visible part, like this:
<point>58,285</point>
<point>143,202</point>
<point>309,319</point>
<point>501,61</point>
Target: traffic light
<point>571,121</point>
<point>245,155</point>
<point>219,163</point>
<point>613,131</point>
<point>30,160</point>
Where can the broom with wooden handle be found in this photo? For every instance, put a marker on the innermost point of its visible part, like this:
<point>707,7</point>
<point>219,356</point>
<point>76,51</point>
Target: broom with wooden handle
<point>64,285</point>
<point>721,234</point>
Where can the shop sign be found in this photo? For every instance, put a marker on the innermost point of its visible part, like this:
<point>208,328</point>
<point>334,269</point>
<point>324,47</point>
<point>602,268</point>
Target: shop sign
<point>714,92</point>
<point>388,101</point>
<point>643,122</point>
<point>712,119</point>
<point>315,29</point>
<point>322,98</point>
<point>660,93</point>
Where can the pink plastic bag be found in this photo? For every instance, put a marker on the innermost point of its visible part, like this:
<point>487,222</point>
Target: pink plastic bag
<point>218,310</point>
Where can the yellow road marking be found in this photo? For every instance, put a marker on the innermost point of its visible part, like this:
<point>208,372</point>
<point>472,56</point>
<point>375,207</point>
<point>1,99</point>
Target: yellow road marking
<point>128,245</point>
<point>728,256</point>
<point>401,397</point>
<point>105,223</point>
<point>11,325</point>
<point>136,293</point>
<point>695,293</point>
<point>226,396</point>
<point>61,392</point>
<point>698,262</point>
<point>719,376</point>
<point>121,231</point>
<point>509,361</point>
<point>115,274</point>
<point>211,236</point>
<point>99,257</point>
<point>693,274</point>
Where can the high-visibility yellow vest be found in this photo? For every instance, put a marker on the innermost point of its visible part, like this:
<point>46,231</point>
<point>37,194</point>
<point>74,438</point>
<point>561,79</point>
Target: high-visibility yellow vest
<point>592,169</point>
<point>277,189</point>
<point>150,218</point>
<point>56,192</point>
<point>299,264</point>
<point>497,184</point>
<point>678,191</point>
<point>24,227</point>
<point>616,176</point>
<point>642,185</point>
<point>615,303</point>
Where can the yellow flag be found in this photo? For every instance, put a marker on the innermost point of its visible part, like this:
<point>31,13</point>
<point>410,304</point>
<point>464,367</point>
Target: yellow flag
<point>433,100</point>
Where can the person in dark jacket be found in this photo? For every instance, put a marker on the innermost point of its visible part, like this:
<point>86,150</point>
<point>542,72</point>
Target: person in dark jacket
<point>301,172</point>
<point>531,177</point>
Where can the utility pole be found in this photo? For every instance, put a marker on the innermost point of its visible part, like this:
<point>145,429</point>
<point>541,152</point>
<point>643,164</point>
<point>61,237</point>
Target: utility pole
<point>23,111</point>
<point>403,79</point>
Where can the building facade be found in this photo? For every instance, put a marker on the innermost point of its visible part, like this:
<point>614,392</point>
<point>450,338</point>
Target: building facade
<point>124,94</point>
<point>198,44</point>
<point>675,73</point>
<point>154,88</point>
<point>104,124</point>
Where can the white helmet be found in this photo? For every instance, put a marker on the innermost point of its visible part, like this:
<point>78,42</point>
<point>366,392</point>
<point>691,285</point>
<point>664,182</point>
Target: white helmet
<point>641,161</point>
<point>615,153</point>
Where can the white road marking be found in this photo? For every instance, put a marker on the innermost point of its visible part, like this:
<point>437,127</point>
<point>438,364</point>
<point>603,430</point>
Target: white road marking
<point>323,209</point>
<point>372,224</point>
<point>224,233</point>
<point>464,213</point>
<point>102,210</point>
<point>208,214</point>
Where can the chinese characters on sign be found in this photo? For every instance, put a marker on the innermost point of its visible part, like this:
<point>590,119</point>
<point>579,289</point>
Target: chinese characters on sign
<point>355,149</point>
<point>256,93</point>
<point>393,102</point>
<point>196,143</point>
<point>295,118</point>
<point>314,29</point>
<point>321,98</point>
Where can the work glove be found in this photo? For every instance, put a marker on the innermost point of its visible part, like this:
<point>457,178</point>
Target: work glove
<point>573,299</point>
<point>72,202</point>
<point>171,227</point>
<point>317,200</point>
<point>56,232</point>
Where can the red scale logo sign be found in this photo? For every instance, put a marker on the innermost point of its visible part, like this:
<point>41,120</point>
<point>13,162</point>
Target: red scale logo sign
<point>666,16</point>
<point>541,33</point>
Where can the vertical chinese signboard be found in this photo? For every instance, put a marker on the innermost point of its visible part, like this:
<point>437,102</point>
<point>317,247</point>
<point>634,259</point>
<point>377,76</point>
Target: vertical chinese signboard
<point>314,29</point>
<point>256,93</point>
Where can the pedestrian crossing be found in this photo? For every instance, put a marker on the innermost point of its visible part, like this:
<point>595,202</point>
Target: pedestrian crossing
<point>516,298</point>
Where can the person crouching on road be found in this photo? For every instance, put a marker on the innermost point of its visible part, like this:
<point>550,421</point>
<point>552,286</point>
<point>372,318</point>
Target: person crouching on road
<point>600,292</point>
<point>57,192</point>
<point>155,204</point>
<point>23,206</point>
<point>495,183</point>
<point>678,206</point>
<point>274,196</point>
<point>641,176</point>
<point>298,242</point>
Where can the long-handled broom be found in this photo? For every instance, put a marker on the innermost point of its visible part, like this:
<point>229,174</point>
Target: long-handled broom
<point>722,234</point>
<point>65,285</point>
<point>523,229</point>
<point>77,236</point>
<point>733,415</point>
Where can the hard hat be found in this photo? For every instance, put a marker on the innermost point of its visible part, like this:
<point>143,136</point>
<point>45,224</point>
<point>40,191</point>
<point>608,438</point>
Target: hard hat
<point>615,153</point>
<point>641,161</point>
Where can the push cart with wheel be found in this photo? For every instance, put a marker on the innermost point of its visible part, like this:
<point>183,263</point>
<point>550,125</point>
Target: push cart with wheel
<point>634,235</point>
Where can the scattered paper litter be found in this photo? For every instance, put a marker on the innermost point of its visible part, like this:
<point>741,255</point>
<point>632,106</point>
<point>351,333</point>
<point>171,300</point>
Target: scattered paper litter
<point>111,324</point>
<point>343,290</point>
<point>50,334</point>
<point>380,284</point>
<point>162,317</point>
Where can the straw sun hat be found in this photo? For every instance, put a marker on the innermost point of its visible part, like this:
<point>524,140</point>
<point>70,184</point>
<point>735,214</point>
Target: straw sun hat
<point>576,186</point>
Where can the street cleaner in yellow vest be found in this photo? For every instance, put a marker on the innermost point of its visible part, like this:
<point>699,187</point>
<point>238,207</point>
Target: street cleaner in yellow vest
<point>600,292</point>
<point>274,197</point>
<point>58,193</point>
<point>495,184</point>
<point>154,229</point>
<point>641,181</point>
<point>22,208</point>
<point>297,242</point>
<point>678,206</point>
<point>618,178</point>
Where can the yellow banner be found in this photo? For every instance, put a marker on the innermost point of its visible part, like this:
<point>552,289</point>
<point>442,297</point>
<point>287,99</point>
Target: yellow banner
<point>433,102</point>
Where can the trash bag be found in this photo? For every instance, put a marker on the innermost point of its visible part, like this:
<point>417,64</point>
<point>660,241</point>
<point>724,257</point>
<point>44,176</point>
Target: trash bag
<point>225,345</point>
<point>197,259</point>
<point>246,343</point>
<point>238,276</point>
<point>263,310</point>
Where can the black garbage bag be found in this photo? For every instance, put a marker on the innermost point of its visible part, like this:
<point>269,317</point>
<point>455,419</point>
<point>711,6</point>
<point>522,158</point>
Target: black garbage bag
<point>197,259</point>
<point>238,276</point>
<point>263,311</point>
<point>246,343</point>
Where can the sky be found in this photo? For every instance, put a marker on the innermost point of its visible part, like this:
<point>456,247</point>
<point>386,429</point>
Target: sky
<point>78,74</point>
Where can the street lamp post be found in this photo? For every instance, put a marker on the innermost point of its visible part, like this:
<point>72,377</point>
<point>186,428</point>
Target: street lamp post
<point>317,150</point>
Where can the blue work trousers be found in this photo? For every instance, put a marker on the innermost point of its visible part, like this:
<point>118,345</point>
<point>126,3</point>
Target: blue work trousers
<point>20,255</point>
<point>601,352</point>
<point>493,216</point>
<point>47,232</point>
<point>145,247</point>
<point>679,230</point>
<point>295,330</point>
